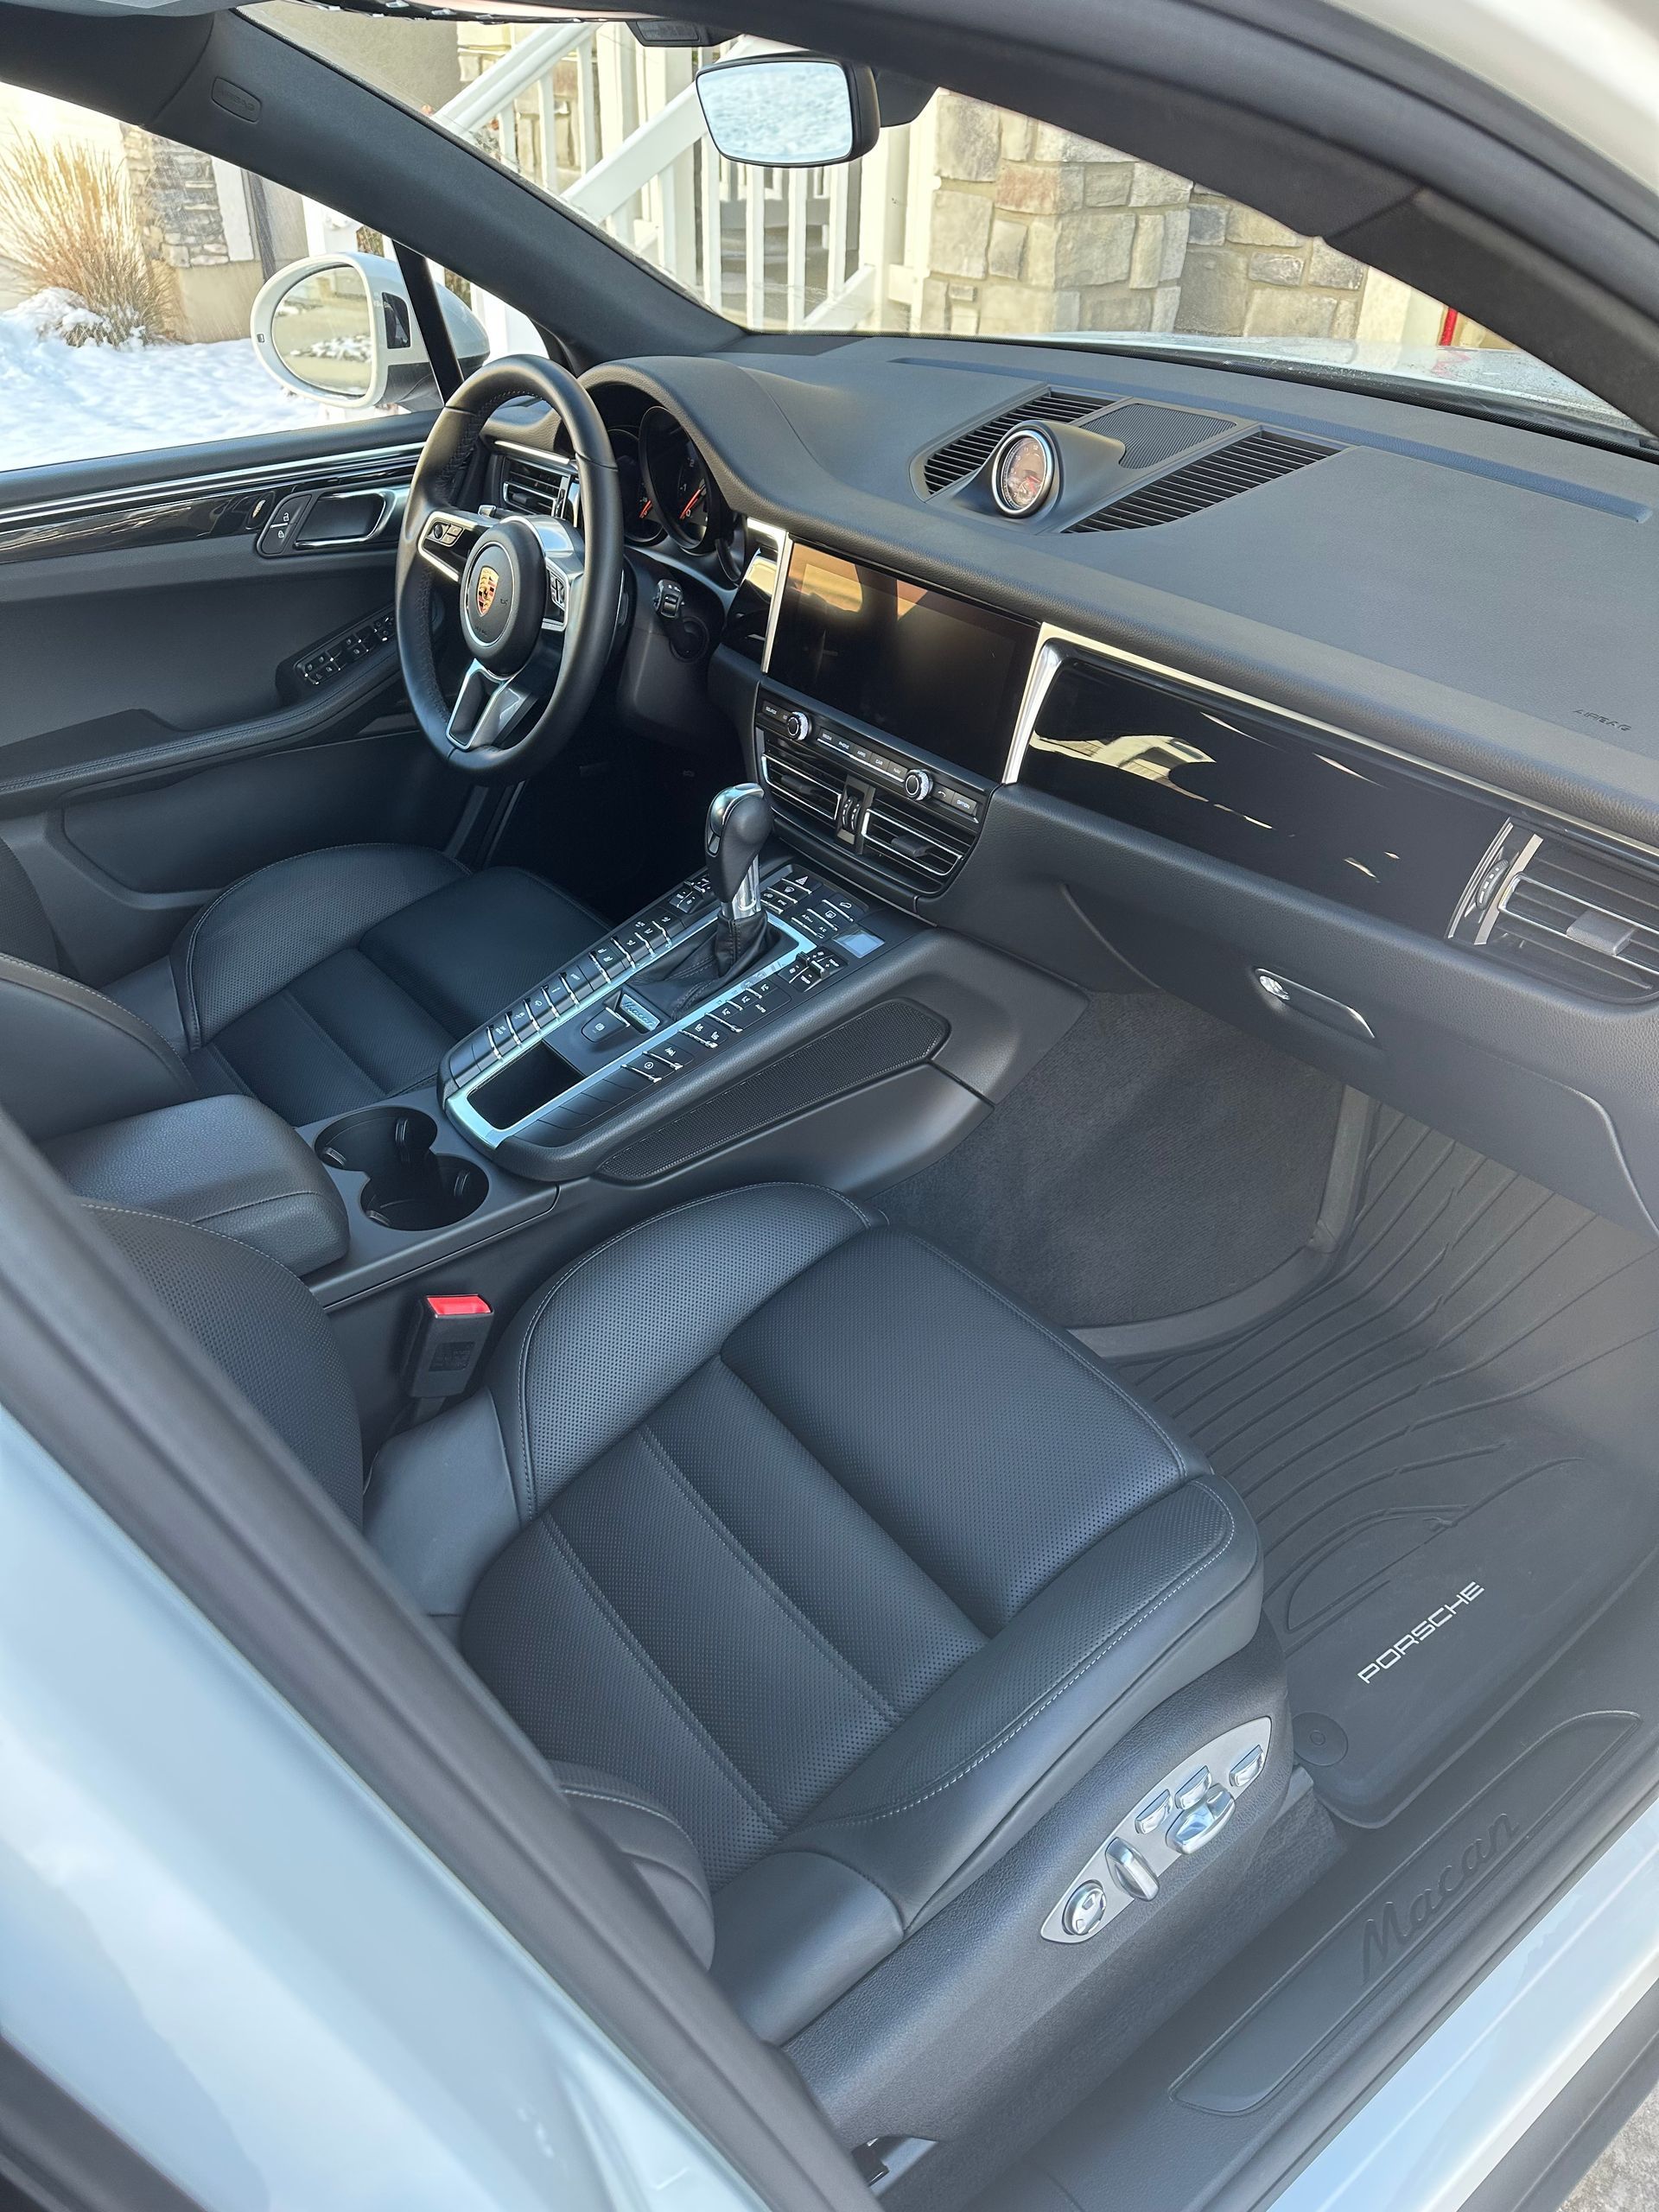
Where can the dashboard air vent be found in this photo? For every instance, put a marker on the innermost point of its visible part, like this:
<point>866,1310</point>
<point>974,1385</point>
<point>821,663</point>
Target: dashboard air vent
<point>950,463</point>
<point>530,488</point>
<point>797,785</point>
<point>1222,474</point>
<point>1572,918</point>
<point>911,846</point>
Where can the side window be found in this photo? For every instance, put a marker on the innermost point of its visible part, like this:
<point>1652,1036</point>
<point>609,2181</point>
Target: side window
<point>129,266</point>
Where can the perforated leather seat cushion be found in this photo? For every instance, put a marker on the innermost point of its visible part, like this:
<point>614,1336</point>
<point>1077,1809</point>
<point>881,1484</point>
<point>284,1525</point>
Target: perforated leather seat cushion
<point>825,1551</point>
<point>342,977</point>
<point>848,1559</point>
<point>317,984</point>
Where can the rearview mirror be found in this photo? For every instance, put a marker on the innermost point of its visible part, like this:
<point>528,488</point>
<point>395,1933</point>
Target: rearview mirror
<point>789,111</point>
<point>339,328</point>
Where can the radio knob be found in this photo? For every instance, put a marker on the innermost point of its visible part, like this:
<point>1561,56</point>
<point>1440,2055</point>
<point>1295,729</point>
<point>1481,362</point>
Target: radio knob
<point>918,785</point>
<point>798,725</point>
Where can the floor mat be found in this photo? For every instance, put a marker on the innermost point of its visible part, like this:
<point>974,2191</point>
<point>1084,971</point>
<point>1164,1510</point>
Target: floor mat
<point>1451,1446</point>
<point>1155,1160</point>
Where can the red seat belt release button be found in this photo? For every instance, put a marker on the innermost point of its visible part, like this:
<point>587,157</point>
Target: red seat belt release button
<point>448,1335</point>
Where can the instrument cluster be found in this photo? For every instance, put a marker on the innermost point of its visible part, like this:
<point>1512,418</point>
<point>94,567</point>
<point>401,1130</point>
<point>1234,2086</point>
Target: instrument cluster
<point>678,485</point>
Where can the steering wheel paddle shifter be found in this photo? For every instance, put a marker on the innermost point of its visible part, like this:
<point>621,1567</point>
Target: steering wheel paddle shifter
<point>739,822</point>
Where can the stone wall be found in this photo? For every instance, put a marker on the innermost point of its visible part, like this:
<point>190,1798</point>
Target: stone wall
<point>198,222</point>
<point>1246,276</point>
<point>177,195</point>
<point>1035,229</point>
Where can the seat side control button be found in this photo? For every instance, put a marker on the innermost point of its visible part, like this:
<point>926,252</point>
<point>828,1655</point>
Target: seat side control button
<point>1130,1871</point>
<point>1153,1814</point>
<point>1172,1817</point>
<point>1085,1909</point>
<point>1242,1776</point>
<point>1191,1830</point>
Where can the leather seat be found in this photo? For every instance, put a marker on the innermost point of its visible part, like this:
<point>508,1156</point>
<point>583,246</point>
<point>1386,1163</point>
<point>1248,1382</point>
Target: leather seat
<point>317,984</point>
<point>819,1569</point>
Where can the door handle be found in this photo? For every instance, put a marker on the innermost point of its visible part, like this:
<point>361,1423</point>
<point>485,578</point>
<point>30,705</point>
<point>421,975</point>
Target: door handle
<point>346,520</point>
<point>338,519</point>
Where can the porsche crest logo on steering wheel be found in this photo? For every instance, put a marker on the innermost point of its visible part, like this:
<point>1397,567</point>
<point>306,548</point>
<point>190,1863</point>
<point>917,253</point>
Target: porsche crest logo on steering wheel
<point>485,587</point>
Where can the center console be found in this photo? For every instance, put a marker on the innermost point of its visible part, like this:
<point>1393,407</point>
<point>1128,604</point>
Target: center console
<point>649,1009</point>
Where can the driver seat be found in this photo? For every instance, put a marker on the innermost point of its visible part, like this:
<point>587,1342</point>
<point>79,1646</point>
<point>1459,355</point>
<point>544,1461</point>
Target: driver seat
<point>317,984</point>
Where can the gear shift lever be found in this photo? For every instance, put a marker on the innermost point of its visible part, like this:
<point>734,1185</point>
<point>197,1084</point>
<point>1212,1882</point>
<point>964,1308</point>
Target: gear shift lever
<point>739,822</point>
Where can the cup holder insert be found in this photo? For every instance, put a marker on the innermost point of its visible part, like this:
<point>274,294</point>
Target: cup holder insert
<point>409,1185</point>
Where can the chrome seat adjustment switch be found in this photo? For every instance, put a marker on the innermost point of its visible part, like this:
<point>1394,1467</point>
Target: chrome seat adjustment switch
<point>1242,1776</point>
<point>1178,1816</point>
<point>1130,1871</point>
<point>1202,1822</point>
<point>1085,1909</point>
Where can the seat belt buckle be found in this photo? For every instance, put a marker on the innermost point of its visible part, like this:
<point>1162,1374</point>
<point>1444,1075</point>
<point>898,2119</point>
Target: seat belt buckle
<point>448,1335</point>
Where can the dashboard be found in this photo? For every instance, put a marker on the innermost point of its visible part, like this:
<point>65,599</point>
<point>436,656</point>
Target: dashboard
<point>1334,713</point>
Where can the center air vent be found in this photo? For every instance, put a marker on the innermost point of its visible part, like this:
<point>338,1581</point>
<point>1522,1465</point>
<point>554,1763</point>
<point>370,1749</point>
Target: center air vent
<point>530,488</point>
<point>1215,476</point>
<point>804,785</point>
<point>1572,918</point>
<point>950,463</point>
<point>911,846</point>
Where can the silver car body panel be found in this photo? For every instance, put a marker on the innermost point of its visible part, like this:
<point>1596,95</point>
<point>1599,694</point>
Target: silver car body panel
<point>227,1949</point>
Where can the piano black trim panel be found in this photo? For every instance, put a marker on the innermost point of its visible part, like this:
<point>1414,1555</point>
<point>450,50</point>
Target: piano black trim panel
<point>1237,784</point>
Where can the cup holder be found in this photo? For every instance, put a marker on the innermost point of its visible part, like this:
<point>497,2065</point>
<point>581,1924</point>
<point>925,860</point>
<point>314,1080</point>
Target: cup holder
<point>410,1186</point>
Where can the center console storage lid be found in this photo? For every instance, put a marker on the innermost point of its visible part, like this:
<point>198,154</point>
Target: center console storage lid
<point>228,1165</point>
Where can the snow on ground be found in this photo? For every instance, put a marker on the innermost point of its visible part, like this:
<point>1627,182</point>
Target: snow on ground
<point>65,403</point>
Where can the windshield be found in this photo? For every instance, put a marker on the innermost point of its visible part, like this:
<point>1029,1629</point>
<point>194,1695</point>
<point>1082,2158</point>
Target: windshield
<point>966,221</point>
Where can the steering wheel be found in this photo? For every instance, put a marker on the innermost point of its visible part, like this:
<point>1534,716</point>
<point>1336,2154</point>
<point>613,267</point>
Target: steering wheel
<point>538,600</point>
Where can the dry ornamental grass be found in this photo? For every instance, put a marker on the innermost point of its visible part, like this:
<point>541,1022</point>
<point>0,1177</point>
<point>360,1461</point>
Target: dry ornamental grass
<point>68,219</point>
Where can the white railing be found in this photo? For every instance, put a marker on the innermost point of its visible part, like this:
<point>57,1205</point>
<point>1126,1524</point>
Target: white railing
<point>775,248</point>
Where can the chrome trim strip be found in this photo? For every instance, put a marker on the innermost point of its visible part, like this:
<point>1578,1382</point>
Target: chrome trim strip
<point>1523,860</point>
<point>561,461</point>
<point>185,487</point>
<point>1477,876</point>
<point>1047,661</point>
<point>785,552</point>
<point>1442,2122</point>
<point>1056,644</point>
<point>489,1139</point>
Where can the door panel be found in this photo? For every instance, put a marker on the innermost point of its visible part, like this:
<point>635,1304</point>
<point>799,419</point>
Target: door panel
<point>223,823</point>
<point>191,690</point>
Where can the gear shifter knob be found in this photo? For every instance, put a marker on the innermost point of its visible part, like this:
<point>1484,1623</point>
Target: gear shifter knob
<point>739,822</point>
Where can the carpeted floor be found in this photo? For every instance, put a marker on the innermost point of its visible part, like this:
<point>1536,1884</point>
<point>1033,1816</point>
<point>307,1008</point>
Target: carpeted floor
<point>1156,1160</point>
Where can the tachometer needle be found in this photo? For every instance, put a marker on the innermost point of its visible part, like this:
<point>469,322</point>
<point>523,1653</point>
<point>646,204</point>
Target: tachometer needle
<point>695,498</point>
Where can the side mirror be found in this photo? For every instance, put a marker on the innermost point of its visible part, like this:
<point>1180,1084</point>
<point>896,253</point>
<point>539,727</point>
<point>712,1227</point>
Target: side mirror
<point>340,328</point>
<point>789,111</point>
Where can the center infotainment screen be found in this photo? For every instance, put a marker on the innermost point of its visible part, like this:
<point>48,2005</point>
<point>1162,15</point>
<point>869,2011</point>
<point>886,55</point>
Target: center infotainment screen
<point>930,670</point>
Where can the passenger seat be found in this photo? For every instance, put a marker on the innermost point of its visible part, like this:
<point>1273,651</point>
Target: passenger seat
<point>820,1570</point>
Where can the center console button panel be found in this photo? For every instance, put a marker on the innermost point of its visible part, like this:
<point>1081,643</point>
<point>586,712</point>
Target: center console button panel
<point>646,1006</point>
